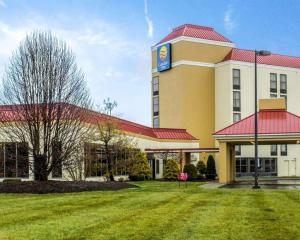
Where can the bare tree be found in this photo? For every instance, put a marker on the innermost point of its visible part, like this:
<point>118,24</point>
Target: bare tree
<point>45,93</point>
<point>110,134</point>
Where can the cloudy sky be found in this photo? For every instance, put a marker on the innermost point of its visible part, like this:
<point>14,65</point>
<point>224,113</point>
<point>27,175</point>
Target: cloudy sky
<point>112,38</point>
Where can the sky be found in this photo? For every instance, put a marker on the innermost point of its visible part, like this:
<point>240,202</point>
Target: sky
<point>112,39</point>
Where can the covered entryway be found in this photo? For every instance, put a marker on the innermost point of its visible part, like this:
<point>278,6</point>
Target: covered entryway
<point>157,156</point>
<point>275,126</point>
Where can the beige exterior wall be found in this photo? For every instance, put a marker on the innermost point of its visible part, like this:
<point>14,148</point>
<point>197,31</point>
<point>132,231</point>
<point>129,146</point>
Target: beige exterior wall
<point>224,103</point>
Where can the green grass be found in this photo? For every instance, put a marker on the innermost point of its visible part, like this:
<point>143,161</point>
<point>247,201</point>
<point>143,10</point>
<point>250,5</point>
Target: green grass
<point>155,210</point>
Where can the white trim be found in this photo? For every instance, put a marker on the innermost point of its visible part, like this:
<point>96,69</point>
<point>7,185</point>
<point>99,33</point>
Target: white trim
<point>197,40</point>
<point>191,63</point>
<point>249,64</point>
<point>260,136</point>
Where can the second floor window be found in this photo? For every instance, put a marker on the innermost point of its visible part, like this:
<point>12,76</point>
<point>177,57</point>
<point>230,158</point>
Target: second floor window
<point>236,117</point>
<point>155,106</point>
<point>283,83</point>
<point>273,82</point>
<point>236,79</point>
<point>236,101</point>
<point>155,86</point>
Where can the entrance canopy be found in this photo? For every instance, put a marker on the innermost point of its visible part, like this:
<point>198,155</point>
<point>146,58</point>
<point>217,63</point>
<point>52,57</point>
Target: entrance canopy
<point>275,126</point>
<point>278,126</point>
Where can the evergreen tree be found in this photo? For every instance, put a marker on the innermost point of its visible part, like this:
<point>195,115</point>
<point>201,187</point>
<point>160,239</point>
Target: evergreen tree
<point>140,169</point>
<point>171,170</point>
<point>191,171</point>
<point>201,169</point>
<point>211,168</point>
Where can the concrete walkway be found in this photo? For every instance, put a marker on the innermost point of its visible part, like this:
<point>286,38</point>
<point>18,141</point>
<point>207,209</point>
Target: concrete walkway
<point>212,185</point>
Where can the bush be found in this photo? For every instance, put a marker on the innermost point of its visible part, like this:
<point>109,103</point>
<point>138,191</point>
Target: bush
<point>140,169</point>
<point>211,168</point>
<point>201,169</point>
<point>171,170</point>
<point>12,180</point>
<point>191,171</point>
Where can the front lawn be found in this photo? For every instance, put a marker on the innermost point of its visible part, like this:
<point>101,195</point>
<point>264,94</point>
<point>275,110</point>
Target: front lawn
<point>155,210</point>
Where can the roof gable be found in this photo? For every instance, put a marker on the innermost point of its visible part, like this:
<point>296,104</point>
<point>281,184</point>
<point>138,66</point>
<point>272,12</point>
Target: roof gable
<point>269,122</point>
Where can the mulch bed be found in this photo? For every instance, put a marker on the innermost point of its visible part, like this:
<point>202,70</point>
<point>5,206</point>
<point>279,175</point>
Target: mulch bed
<point>61,186</point>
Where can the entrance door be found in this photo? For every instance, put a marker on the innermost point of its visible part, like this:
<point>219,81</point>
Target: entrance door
<point>292,168</point>
<point>289,168</point>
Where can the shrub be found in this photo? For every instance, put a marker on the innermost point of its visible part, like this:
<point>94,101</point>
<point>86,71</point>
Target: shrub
<point>191,171</point>
<point>211,168</point>
<point>140,169</point>
<point>201,168</point>
<point>12,180</point>
<point>171,170</point>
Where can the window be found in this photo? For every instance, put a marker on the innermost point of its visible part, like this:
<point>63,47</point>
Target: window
<point>156,122</point>
<point>56,160</point>
<point>237,149</point>
<point>155,86</point>
<point>22,160</point>
<point>273,82</point>
<point>157,166</point>
<point>273,95</point>
<point>273,150</point>
<point>236,101</point>
<point>155,106</point>
<point>236,117</point>
<point>236,79</point>
<point>283,150</point>
<point>14,160</point>
<point>283,83</point>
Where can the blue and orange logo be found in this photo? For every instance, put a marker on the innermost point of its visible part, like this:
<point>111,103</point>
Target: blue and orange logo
<point>164,57</point>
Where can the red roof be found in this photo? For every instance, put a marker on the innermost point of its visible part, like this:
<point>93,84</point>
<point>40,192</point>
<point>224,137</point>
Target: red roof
<point>14,113</point>
<point>195,31</point>
<point>273,59</point>
<point>269,122</point>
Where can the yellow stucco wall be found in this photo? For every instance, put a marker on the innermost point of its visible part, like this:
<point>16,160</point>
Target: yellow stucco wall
<point>187,92</point>
<point>193,51</point>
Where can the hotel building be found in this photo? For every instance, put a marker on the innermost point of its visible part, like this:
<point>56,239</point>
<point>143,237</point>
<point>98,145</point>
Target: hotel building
<point>203,83</point>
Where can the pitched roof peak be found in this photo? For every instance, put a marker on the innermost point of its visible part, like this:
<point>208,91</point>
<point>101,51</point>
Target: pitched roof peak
<point>192,26</point>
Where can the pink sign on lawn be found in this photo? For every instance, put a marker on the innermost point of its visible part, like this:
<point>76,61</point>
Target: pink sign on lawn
<point>182,176</point>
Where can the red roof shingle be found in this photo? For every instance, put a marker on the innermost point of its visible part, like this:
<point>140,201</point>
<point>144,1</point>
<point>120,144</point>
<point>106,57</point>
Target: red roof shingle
<point>195,31</point>
<point>269,122</point>
<point>273,59</point>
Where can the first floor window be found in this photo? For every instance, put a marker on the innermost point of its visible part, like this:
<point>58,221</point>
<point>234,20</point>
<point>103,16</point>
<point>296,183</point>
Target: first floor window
<point>14,161</point>
<point>283,150</point>
<point>273,150</point>
<point>157,166</point>
<point>57,160</point>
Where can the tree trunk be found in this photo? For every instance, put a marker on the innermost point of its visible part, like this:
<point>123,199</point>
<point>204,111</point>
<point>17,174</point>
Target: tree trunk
<point>40,168</point>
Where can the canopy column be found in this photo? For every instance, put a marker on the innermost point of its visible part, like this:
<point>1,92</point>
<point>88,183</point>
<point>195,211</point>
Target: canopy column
<point>226,163</point>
